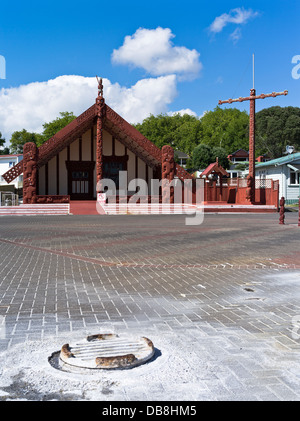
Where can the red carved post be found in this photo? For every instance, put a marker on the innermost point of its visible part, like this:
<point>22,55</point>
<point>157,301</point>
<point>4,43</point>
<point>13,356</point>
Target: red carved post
<point>168,173</point>
<point>100,104</point>
<point>30,157</point>
<point>214,190</point>
<point>282,211</point>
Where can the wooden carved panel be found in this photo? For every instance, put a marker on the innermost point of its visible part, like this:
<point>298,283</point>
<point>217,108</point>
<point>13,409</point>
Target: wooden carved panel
<point>30,157</point>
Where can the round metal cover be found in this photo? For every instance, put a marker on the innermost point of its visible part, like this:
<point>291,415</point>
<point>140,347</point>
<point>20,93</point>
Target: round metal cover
<point>107,351</point>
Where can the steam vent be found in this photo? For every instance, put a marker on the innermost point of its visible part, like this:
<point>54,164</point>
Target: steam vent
<point>107,351</point>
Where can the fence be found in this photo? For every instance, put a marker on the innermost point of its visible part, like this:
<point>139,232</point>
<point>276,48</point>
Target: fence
<point>234,191</point>
<point>266,192</point>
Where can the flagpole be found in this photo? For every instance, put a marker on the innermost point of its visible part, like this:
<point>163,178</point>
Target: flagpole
<point>253,73</point>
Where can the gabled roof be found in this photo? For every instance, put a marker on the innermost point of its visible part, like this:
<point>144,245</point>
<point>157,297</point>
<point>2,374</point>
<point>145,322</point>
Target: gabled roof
<point>131,138</point>
<point>239,152</point>
<point>214,167</point>
<point>114,124</point>
<point>14,155</point>
<point>288,159</point>
<point>181,155</point>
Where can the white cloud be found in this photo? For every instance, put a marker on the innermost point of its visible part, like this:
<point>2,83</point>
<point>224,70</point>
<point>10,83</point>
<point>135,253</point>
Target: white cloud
<point>236,35</point>
<point>183,112</point>
<point>152,50</point>
<point>147,96</point>
<point>238,16</point>
<point>29,106</point>
<point>219,80</point>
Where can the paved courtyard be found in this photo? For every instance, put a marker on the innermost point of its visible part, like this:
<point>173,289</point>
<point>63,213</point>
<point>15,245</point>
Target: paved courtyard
<point>220,301</point>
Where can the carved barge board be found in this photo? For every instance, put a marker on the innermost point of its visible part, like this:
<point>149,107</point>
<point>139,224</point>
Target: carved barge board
<point>115,125</point>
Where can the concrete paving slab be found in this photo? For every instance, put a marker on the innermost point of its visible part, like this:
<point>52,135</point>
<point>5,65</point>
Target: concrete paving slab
<point>220,301</point>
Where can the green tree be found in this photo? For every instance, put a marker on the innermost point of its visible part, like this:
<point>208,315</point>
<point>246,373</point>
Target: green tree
<point>19,138</point>
<point>203,155</point>
<point>188,135</point>
<point>51,128</point>
<point>242,166</point>
<point>2,140</point>
<point>277,127</point>
<point>158,129</point>
<point>182,132</point>
<point>222,156</point>
<point>227,128</point>
<point>5,150</point>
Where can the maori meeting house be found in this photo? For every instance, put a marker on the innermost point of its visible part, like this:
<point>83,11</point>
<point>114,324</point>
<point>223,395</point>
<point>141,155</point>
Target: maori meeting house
<point>98,145</point>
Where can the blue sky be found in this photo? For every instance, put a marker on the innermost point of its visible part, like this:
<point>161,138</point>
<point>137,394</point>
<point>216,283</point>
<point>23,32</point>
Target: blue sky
<point>158,56</point>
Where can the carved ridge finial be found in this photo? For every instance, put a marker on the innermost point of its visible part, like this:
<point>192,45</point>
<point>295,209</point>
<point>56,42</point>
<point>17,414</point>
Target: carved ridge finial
<point>100,87</point>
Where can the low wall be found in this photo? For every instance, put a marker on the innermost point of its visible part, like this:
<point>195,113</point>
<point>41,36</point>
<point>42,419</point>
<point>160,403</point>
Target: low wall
<point>44,199</point>
<point>266,192</point>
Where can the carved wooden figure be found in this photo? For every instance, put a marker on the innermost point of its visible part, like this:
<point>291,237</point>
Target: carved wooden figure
<point>100,107</point>
<point>30,157</point>
<point>168,174</point>
<point>282,211</point>
<point>249,189</point>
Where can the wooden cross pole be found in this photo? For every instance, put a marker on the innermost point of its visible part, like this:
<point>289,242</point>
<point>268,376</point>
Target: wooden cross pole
<point>252,98</point>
